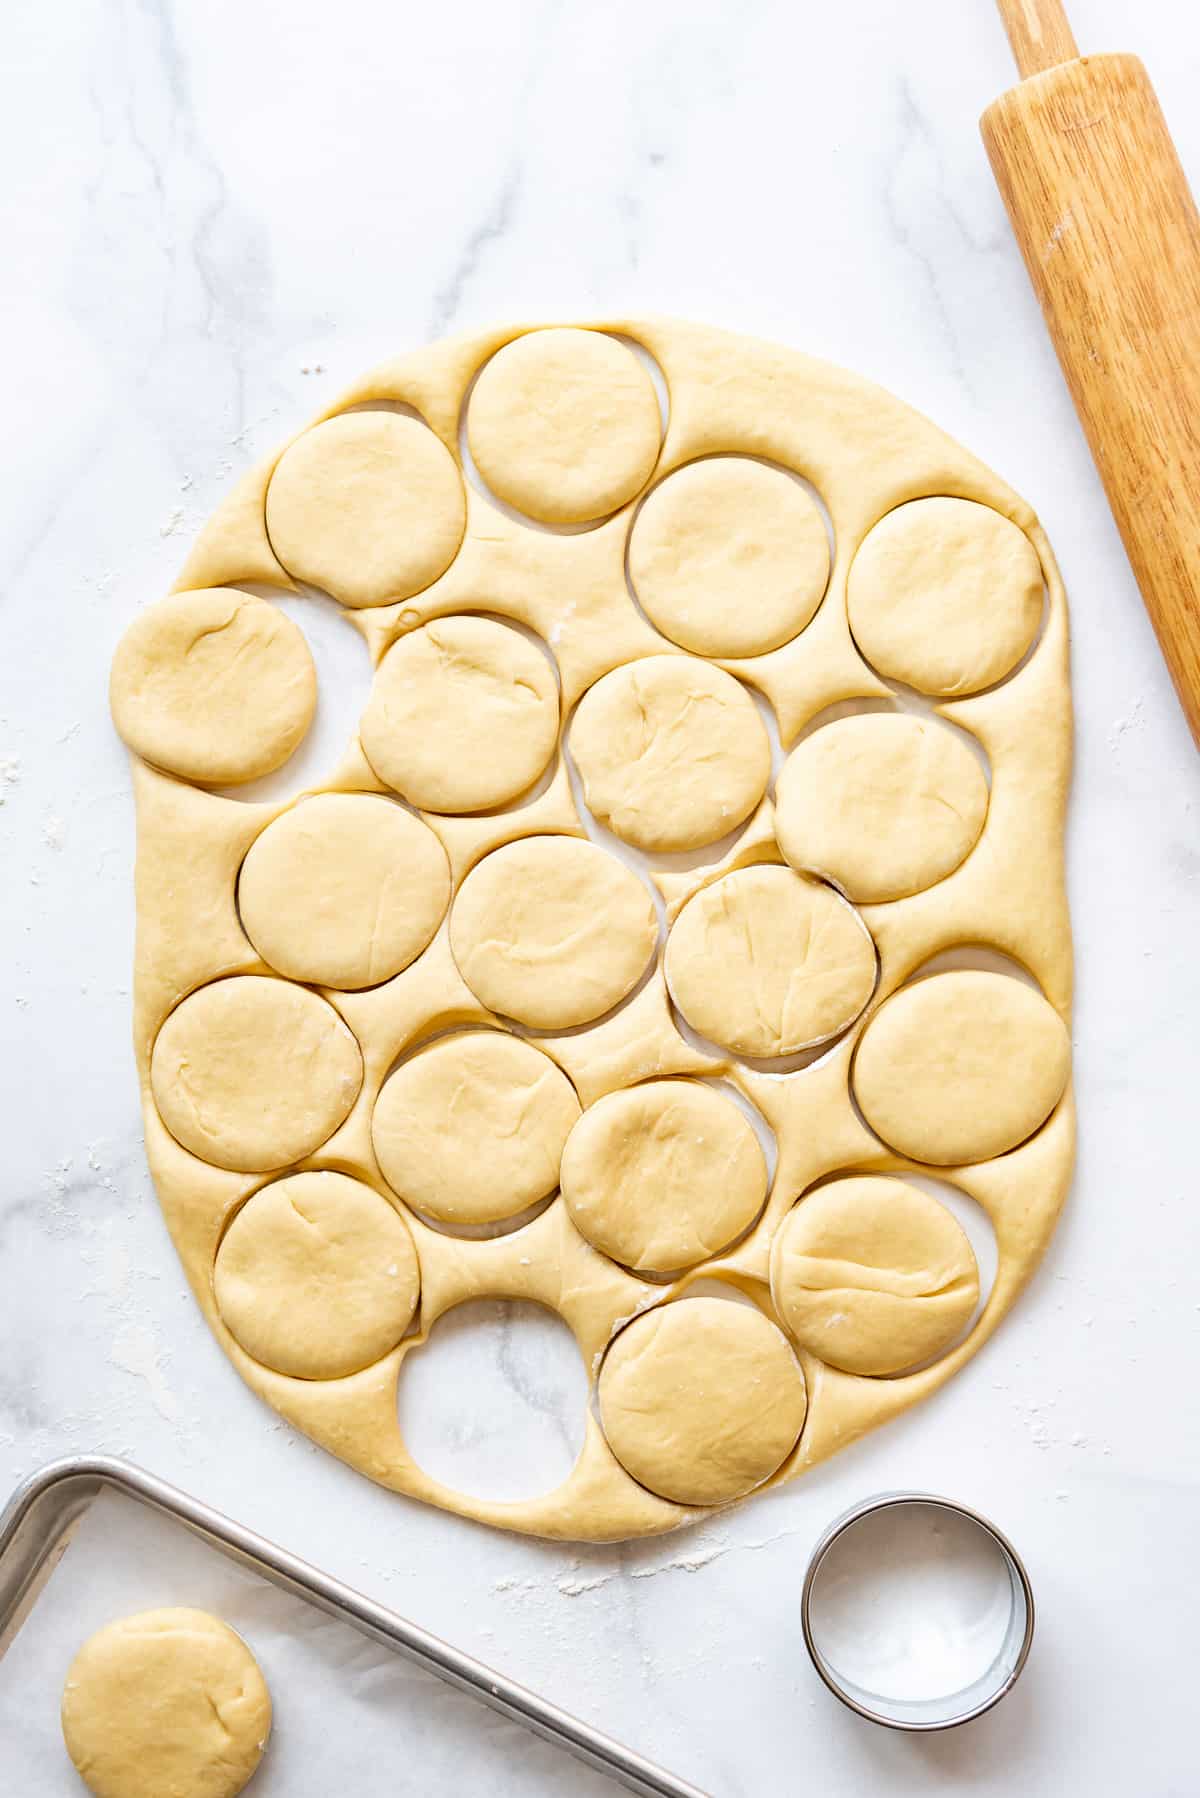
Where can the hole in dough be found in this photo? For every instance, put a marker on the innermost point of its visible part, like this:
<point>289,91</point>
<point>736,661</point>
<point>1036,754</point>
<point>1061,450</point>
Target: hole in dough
<point>494,1404</point>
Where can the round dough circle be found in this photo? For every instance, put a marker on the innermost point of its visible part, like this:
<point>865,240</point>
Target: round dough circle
<point>885,804</point>
<point>873,1275</point>
<point>471,1129</point>
<point>344,890</point>
<point>962,1066</point>
<point>765,962</point>
<point>317,1276</point>
<point>463,715</point>
<point>213,686</point>
<point>672,752</point>
<point>663,1175</point>
<point>945,595</point>
<point>564,425</point>
<point>552,931</point>
<point>729,557</point>
<point>252,1073</point>
<point>701,1400</point>
<point>368,506</point>
<point>165,1702</point>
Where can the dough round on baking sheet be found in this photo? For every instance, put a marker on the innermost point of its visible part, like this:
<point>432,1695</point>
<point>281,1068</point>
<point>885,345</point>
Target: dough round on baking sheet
<point>564,425</point>
<point>962,1066</point>
<point>344,890</point>
<point>252,1073</point>
<point>552,931</point>
<point>165,1704</point>
<point>672,752</point>
<point>463,715</point>
<point>368,506</point>
<point>701,1400</point>
<point>213,685</point>
<point>873,1275</point>
<point>765,961</point>
<point>663,1175</point>
<point>885,804</point>
<point>317,1276</point>
<point>471,1129</point>
<point>729,557</point>
<point>945,595</point>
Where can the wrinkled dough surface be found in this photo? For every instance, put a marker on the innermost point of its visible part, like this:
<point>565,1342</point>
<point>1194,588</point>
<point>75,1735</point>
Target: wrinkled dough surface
<point>317,1276</point>
<point>765,961</point>
<point>552,931</point>
<point>463,715</point>
<point>672,752</point>
<point>663,1175</point>
<point>344,890</point>
<point>165,1704</point>
<point>253,1073</point>
<point>213,686</point>
<point>873,1275</point>
<point>945,595</point>
<point>368,505</point>
<point>702,1400</point>
<point>962,1066</point>
<point>884,804</point>
<point>729,557</point>
<point>564,425</point>
<point>471,1129</point>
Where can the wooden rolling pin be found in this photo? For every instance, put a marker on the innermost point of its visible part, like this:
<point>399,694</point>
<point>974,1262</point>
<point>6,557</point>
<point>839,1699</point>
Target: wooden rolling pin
<point>1111,238</point>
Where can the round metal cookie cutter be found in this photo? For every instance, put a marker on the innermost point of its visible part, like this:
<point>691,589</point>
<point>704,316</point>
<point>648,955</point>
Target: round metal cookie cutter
<point>955,1707</point>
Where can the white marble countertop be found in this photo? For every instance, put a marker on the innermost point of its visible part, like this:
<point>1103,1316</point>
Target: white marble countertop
<point>223,213</point>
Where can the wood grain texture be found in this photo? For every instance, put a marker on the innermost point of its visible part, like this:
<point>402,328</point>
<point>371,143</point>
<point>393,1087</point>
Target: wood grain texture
<point>1111,238</point>
<point>1039,33</point>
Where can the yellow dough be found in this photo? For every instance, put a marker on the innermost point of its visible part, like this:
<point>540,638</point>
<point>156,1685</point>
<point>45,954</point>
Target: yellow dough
<point>471,1129</point>
<point>166,1704</point>
<point>671,751</point>
<point>873,1275</point>
<point>765,962</point>
<point>564,425</point>
<point>884,804</point>
<point>317,1276</point>
<point>368,506</point>
<point>213,686</point>
<point>945,595</point>
<point>729,557</point>
<point>961,1066</point>
<point>552,931</point>
<point>702,1400</point>
<point>663,1175</point>
<point>463,715</point>
<point>344,890</point>
<point>253,1073</point>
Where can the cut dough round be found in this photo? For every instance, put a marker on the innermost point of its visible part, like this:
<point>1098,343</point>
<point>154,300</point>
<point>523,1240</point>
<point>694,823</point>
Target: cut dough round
<point>873,1275</point>
<point>471,1129</point>
<point>671,751</point>
<point>253,1073</point>
<point>765,962</point>
<point>165,1703</point>
<point>702,1400</point>
<point>463,715</point>
<point>962,1066</point>
<point>945,595</point>
<point>317,1276</point>
<point>564,425</point>
<point>663,1175</point>
<point>729,557</point>
<point>552,931</point>
<point>884,804</point>
<point>368,506</point>
<point>213,685</point>
<point>344,890</point>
